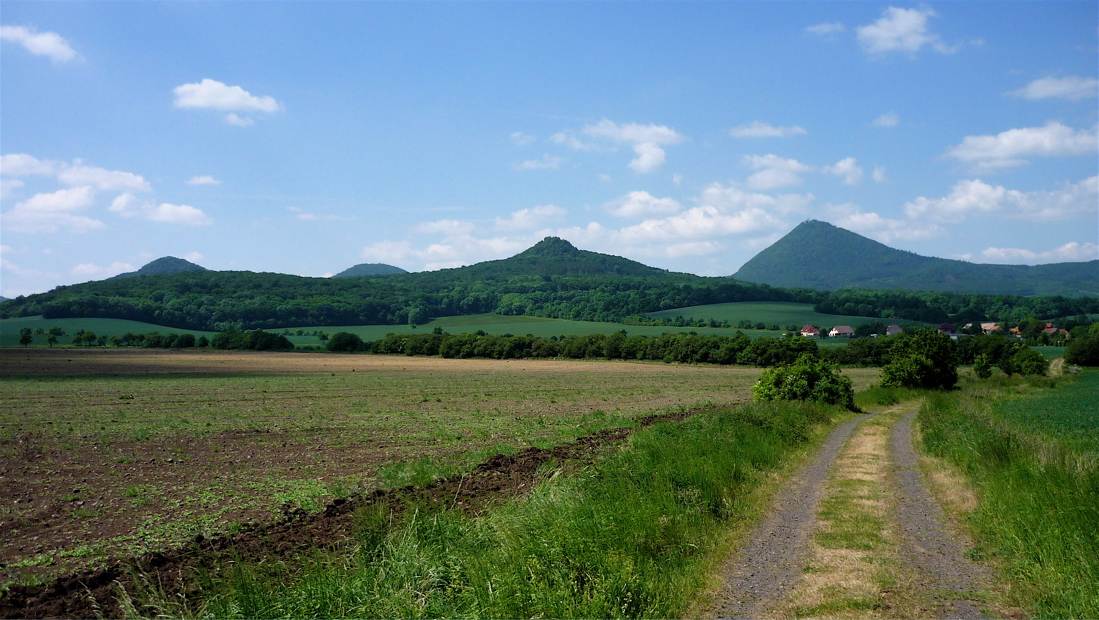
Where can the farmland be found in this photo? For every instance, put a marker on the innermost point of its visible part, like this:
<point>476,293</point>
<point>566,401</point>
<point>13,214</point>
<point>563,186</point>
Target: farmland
<point>142,449</point>
<point>770,313</point>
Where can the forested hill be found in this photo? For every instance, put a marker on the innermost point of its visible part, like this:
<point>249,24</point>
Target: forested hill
<point>821,256</point>
<point>552,279</point>
<point>161,266</point>
<point>369,269</point>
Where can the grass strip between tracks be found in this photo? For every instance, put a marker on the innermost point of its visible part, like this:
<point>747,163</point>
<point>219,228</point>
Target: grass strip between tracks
<point>632,536</point>
<point>1037,509</point>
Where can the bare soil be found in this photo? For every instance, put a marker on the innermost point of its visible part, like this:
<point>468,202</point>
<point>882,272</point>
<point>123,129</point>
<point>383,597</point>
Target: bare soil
<point>95,593</point>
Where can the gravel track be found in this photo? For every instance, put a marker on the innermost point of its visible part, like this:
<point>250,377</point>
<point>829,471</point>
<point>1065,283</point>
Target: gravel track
<point>930,547</point>
<point>769,565</point>
<point>773,559</point>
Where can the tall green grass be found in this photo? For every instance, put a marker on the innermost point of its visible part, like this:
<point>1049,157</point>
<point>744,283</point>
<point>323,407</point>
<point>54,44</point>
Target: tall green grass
<point>632,536</point>
<point>1039,498</point>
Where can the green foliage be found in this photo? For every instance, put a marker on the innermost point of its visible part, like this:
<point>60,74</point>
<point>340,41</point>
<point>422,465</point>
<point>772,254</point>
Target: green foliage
<point>26,336</point>
<point>344,341</point>
<point>809,378</point>
<point>922,358</point>
<point>1032,461</point>
<point>1026,361</point>
<point>1083,351</point>
<point>982,367</point>
<point>257,340</point>
<point>629,538</point>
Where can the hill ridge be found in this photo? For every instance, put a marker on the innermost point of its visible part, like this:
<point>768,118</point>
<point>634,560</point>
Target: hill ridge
<point>822,256</point>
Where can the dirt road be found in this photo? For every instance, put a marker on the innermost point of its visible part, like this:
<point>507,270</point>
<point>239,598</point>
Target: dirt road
<point>857,533</point>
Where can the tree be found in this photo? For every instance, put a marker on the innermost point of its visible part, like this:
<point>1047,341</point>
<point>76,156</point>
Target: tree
<point>808,378</point>
<point>26,337</point>
<point>1027,361</point>
<point>923,358</point>
<point>982,367</point>
<point>344,341</point>
<point>51,339</point>
<point>1083,351</point>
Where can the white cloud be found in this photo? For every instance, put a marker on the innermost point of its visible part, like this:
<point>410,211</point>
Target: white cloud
<point>21,165</point>
<point>643,204</point>
<point>7,266</point>
<point>1070,252</point>
<point>759,129</point>
<point>49,213</point>
<point>445,227</point>
<point>774,171</point>
<point>900,30</point>
<point>236,120</point>
<point>1007,149</point>
<point>548,162</point>
<point>826,29</point>
<point>103,179</point>
<point>48,44</point>
<point>127,205</point>
<point>203,180</point>
<point>879,174</point>
<point>974,197</point>
<point>454,251</point>
<point>194,257</point>
<point>650,158</point>
<point>633,133</point>
<point>883,229</point>
<point>574,143</point>
<point>521,139</point>
<point>530,219</point>
<point>218,96</point>
<point>889,119</point>
<point>1072,88</point>
<point>847,168</point>
<point>91,270</point>
<point>646,140</point>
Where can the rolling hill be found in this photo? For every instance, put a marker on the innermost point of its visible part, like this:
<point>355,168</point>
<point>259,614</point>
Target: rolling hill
<point>821,256</point>
<point>369,269</point>
<point>161,266</point>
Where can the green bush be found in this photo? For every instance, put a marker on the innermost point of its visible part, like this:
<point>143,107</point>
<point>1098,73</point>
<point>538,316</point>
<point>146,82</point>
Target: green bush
<point>921,359</point>
<point>1083,351</point>
<point>982,367</point>
<point>344,341</point>
<point>1027,361</point>
<point>808,378</point>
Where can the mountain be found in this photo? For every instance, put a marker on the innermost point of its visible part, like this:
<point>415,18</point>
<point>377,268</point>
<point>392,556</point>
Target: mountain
<point>161,266</point>
<point>369,269</point>
<point>554,256</point>
<point>821,256</point>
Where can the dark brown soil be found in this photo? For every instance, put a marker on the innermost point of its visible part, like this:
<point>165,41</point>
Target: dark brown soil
<point>94,593</point>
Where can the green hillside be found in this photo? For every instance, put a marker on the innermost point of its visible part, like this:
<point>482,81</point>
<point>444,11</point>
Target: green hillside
<point>821,256</point>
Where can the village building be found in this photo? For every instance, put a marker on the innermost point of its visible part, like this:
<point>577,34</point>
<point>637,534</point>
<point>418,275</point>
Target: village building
<point>809,330</point>
<point>841,330</point>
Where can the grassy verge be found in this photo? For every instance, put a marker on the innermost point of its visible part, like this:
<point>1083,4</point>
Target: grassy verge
<point>1036,481</point>
<point>629,537</point>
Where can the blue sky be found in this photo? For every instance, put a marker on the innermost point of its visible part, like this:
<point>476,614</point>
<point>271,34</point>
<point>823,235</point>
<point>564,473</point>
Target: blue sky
<point>306,137</point>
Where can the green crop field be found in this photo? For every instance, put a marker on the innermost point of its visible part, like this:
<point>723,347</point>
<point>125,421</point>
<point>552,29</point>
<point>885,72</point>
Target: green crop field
<point>769,312</point>
<point>9,329</point>
<point>489,323</point>
<point>1068,414</point>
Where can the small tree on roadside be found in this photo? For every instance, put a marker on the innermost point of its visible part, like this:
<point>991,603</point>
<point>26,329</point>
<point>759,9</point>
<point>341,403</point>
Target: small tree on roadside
<point>808,378</point>
<point>1025,361</point>
<point>26,336</point>
<point>923,358</point>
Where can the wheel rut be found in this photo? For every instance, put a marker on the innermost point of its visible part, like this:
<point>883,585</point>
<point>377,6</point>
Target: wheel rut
<point>856,534</point>
<point>775,555</point>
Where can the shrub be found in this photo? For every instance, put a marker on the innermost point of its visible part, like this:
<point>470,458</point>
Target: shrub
<point>808,378</point>
<point>982,367</point>
<point>344,341</point>
<point>921,359</point>
<point>1083,351</point>
<point>1027,361</point>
